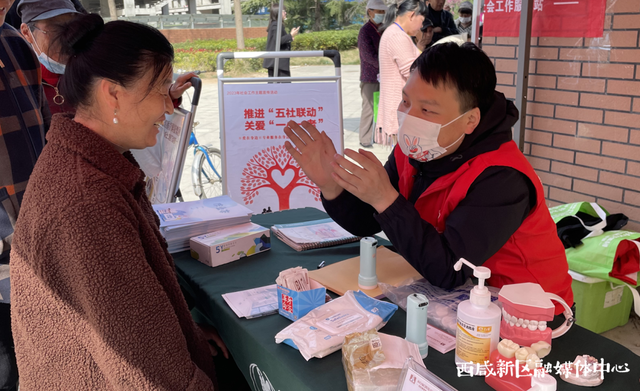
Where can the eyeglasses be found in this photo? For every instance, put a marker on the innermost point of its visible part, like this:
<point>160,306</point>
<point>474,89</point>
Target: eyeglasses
<point>38,28</point>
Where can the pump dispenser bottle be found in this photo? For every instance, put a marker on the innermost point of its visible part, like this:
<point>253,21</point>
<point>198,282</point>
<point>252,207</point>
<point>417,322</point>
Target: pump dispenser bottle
<point>478,329</point>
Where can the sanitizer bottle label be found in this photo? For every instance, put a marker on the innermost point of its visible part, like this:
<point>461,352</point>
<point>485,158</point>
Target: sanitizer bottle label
<point>473,342</point>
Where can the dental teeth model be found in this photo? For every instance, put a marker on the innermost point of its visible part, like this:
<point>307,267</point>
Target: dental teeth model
<point>584,371</point>
<point>526,361</point>
<point>526,309</point>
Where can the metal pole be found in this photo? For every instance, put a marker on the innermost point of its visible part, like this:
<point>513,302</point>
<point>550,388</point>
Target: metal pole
<point>278,38</point>
<point>522,78</point>
<point>475,30</point>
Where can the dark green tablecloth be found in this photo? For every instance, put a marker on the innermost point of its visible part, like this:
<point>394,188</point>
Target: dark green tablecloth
<point>251,341</point>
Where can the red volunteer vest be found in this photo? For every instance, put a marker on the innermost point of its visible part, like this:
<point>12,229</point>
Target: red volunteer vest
<point>534,253</point>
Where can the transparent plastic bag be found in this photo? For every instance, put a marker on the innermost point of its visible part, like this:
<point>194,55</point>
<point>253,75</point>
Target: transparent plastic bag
<point>373,361</point>
<point>150,158</point>
<point>322,331</point>
<point>443,304</point>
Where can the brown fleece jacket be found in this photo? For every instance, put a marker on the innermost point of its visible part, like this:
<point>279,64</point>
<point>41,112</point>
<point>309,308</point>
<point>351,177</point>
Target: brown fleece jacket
<point>95,300</point>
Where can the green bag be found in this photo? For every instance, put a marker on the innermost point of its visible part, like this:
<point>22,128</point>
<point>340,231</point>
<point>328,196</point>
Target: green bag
<point>603,253</point>
<point>597,255</point>
<point>561,211</point>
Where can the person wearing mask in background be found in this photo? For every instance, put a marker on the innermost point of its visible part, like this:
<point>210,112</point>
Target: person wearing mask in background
<point>14,19</point>
<point>443,24</point>
<point>368,45</point>
<point>42,22</point>
<point>89,265</point>
<point>424,37</point>
<point>397,53</point>
<point>24,120</point>
<point>285,42</point>
<point>464,22</point>
<point>456,185</point>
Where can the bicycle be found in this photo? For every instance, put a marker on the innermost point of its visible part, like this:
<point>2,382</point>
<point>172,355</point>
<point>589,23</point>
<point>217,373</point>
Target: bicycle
<point>206,171</point>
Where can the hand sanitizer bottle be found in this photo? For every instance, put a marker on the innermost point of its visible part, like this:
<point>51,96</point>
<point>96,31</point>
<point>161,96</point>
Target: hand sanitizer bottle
<point>478,330</point>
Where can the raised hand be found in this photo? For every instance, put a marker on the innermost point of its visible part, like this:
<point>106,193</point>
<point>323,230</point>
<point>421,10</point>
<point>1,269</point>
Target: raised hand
<point>181,84</point>
<point>314,151</point>
<point>369,181</point>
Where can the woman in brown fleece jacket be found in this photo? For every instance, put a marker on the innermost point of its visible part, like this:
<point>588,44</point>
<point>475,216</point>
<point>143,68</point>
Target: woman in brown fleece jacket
<point>96,303</point>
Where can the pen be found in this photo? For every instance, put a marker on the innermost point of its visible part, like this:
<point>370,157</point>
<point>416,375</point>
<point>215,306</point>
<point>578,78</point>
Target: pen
<point>321,265</point>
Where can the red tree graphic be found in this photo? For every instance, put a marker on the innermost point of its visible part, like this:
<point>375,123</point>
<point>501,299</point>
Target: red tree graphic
<point>274,168</point>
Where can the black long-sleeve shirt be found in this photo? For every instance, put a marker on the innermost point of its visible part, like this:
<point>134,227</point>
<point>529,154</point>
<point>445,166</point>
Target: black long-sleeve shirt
<point>444,20</point>
<point>495,206</point>
<point>285,44</point>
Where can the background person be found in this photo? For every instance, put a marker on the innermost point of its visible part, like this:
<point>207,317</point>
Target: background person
<point>14,19</point>
<point>89,265</point>
<point>42,23</point>
<point>24,120</point>
<point>285,42</point>
<point>424,37</point>
<point>397,53</point>
<point>443,24</point>
<point>464,22</point>
<point>368,45</point>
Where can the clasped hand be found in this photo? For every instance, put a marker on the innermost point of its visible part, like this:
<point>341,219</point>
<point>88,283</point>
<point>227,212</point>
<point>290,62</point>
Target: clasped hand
<point>331,172</point>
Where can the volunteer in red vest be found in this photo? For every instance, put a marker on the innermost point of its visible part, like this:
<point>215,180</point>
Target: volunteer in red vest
<point>455,186</point>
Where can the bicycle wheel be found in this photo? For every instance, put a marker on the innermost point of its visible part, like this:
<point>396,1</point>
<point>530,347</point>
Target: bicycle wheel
<point>209,174</point>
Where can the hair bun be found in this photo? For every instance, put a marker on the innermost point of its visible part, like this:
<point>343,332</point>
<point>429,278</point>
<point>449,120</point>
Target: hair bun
<point>80,33</point>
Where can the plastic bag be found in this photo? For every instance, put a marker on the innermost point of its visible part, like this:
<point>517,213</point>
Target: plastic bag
<point>443,304</point>
<point>373,361</point>
<point>322,331</point>
<point>150,159</point>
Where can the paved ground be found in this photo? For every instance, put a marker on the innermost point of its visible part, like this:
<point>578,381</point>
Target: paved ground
<point>208,131</point>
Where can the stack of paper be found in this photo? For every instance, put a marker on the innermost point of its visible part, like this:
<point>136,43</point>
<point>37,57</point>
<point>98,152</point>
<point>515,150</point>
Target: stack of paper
<point>181,221</point>
<point>313,234</point>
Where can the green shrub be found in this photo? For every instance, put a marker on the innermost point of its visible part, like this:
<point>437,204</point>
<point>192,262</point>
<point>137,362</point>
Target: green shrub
<point>195,60</point>
<point>223,45</point>
<point>202,54</point>
<point>326,40</point>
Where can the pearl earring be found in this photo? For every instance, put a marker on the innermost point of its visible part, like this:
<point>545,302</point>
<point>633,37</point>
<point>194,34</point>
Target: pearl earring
<point>115,119</point>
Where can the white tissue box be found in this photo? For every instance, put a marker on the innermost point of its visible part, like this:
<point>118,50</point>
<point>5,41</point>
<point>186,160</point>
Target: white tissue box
<point>230,244</point>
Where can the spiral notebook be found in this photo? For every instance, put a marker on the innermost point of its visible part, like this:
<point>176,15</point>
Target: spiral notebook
<point>313,234</point>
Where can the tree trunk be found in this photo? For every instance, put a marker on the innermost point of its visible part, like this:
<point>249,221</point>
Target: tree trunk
<point>237,9</point>
<point>317,25</point>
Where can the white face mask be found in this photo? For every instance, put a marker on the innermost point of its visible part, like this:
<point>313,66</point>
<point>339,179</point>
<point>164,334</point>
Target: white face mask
<point>418,138</point>
<point>378,18</point>
<point>465,19</point>
<point>52,65</point>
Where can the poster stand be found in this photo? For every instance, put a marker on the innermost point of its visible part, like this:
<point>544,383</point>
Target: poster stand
<point>229,101</point>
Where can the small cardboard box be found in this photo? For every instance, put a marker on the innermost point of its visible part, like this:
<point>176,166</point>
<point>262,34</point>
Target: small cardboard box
<point>293,305</point>
<point>600,305</point>
<point>230,244</point>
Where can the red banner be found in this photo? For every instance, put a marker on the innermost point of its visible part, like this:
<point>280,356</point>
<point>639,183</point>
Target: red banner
<point>551,18</point>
